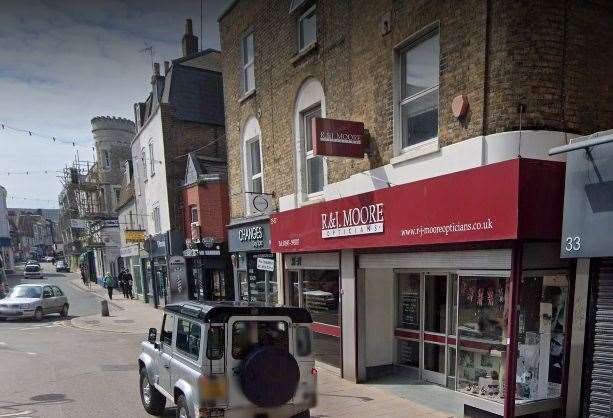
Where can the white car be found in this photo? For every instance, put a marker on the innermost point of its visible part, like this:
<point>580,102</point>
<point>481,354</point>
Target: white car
<point>32,270</point>
<point>34,301</point>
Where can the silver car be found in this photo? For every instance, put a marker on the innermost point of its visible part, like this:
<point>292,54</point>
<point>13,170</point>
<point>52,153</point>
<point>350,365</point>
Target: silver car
<point>34,301</point>
<point>32,270</point>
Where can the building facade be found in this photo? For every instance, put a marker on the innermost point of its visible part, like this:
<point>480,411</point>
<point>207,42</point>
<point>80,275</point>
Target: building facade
<point>6,249</point>
<point>206,214</point>
<point>410,250</point>
<point>182,113</point>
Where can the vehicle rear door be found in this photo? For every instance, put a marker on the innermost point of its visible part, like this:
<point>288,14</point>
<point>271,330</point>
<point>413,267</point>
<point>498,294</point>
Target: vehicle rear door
<point>241,338</point>
<point>48,300</point>
<point>60,298</point>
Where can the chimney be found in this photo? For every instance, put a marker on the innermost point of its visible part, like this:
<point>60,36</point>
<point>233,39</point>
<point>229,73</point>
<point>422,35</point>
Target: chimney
<point>156,72</point>
<point>189,42</point>
<point>166,67</point>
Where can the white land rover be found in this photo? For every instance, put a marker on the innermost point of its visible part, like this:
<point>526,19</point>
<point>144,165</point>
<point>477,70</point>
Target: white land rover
<point>231,360</point>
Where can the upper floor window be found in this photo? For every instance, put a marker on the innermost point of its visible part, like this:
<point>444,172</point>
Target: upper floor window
<point>151,160</point>
<point>248,66</point>
<point>314,164</point>
<point>419,81</point>
<point>193,211</point>
<point>307,29</point>
<point>157,222</point>
<point>106,158</point>
<point>116,195</point>
<point>254,165</point>
<point>143,158</point>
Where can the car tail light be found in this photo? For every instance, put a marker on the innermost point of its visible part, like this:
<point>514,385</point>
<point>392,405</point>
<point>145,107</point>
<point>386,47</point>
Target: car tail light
<point>212,389</point>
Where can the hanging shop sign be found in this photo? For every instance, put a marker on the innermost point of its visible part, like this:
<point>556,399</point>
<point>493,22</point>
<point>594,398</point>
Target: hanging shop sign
<point>134,235</point>
<point>261,203</point>
<point>588,203</point>
<point>338,138</point>
<point>514,199</point>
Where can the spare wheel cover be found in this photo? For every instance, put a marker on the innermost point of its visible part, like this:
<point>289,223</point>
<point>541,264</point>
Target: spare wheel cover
<point>269,376</point>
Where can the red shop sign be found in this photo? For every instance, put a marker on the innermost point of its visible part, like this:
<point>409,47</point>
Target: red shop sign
<point>338,138</point>
<point>514,199</point>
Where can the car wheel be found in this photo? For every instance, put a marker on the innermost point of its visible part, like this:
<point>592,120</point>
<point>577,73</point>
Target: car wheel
<point>64,311</point>
<point>38,314</point>
<point>153,401</point>
<point>182,409</point>
<point>303,414</point>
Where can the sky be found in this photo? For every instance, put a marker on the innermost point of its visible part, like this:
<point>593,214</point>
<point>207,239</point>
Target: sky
<point>62,62</point>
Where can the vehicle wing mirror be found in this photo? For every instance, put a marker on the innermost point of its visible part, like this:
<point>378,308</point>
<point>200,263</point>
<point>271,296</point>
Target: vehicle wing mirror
<point>152,335</point>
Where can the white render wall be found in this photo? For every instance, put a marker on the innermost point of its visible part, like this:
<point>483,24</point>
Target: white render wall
<point>151,191</point>
<point>5,232</point>
<point>471,153</point>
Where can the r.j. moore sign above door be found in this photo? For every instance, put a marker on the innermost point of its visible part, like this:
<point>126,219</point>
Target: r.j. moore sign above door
<point>338,138</point>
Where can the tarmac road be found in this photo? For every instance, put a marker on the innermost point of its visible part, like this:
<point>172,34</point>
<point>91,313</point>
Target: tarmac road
<point>49,369</point>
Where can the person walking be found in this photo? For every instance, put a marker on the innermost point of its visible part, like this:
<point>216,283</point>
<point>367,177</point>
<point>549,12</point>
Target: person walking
<point>127,277</point>
<point>110,284</point>
<point>122,283</point>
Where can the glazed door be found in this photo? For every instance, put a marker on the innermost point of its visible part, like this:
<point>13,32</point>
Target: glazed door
<point>434,316</point>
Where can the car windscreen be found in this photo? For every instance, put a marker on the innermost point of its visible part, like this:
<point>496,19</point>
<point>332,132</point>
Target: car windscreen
<point>247,335</point>
<point>32,267</point>
<point>26,292</point>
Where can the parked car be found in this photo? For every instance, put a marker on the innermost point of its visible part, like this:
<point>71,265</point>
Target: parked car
<point>48,259</point>
<point>34,301</point>
<point>266,369</point>
<point>61,265</point>
<point>32,271</point>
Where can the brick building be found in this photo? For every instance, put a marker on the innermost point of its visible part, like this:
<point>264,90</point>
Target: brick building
<point>205,216</point>
<point>182,113</point>
<point>476,90</point>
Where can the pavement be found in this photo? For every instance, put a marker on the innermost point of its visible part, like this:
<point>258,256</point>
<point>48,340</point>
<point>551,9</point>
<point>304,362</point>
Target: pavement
<point>85,365</point>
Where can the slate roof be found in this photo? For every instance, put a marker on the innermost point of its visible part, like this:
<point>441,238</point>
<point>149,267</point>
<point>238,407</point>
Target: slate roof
<point>199,166</point>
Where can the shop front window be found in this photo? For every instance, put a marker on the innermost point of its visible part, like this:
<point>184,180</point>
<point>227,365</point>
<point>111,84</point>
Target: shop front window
<point>481,330</point>
<point>541,337</point>
<point>320,295</point>
<point>409,298</point>
<point>258,285</point>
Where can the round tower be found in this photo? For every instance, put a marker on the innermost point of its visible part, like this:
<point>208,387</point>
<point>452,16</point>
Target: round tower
<point>112,138</point>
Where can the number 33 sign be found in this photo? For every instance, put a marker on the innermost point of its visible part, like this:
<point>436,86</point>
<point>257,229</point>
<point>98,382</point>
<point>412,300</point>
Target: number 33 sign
<point>573,244</point>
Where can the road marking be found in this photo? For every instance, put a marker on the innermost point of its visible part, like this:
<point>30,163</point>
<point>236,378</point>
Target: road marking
<point>32,354</point>
<point>16,414</point>
<point>3,343</point>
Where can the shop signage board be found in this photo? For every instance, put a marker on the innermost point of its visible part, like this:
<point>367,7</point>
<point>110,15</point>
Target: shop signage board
<point>502,201</point>
<point>133,235</point>
<point>338,138</point>
<point>588,203</point>
<point>78,223</point>
<point>249,236</point>
<point>266,264</point>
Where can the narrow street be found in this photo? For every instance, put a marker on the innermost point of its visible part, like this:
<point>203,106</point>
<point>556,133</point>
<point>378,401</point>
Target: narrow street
<point>62,371</point>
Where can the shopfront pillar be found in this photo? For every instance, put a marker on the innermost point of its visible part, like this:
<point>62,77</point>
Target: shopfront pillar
<point>512,327</point>
<point>348,316</point>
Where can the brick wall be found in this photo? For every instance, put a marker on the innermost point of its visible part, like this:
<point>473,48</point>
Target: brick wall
<point>180,138</point>
<point>211,199</point>
<point>553,57</point>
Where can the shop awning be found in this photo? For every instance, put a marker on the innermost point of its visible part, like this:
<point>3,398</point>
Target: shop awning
<point>515,199</point>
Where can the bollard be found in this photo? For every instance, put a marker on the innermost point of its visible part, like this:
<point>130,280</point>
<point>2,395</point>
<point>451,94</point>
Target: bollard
<point>104,307</point>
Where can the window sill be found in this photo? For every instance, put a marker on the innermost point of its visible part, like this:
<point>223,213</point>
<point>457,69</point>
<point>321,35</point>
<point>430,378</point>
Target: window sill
<point>304,52</point>
<point>313,199</point>
<point>246,96</point>
<point>418,150</point>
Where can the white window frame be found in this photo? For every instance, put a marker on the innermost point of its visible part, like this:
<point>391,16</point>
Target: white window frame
<point>151,159</point>
<point>309,11</point>
<point>307,155</point>
<point>251,177</point>
<point>402,153</point>
<point>246,64</point>
<point>194,209</point>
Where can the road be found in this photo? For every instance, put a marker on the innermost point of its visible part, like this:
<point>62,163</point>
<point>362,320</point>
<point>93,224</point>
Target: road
<point>49,369</point>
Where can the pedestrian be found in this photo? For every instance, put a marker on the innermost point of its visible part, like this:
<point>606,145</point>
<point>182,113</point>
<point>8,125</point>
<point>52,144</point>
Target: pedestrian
<point>110,284</point>
<point>124,283</point>
<point>129,281</point>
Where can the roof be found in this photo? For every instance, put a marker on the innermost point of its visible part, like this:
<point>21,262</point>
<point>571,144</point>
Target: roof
<point>222,311</point>
<point>196,95</point>
<point>125,196</point>
<point>202,168</point>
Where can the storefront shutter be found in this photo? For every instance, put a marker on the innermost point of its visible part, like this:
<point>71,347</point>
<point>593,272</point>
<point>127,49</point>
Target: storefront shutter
<point>499,259</point>
<point>601,393</point>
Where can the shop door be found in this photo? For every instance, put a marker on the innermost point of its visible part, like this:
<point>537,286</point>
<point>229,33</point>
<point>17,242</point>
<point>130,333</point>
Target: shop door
<point>434,327</point>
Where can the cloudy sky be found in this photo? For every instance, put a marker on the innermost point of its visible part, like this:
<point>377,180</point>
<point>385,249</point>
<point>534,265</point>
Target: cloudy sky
<point>63,62</point>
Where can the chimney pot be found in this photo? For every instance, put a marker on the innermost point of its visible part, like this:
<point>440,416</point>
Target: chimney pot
<point>188,27</point>
<point>156,69</point>
<point>166,67</point>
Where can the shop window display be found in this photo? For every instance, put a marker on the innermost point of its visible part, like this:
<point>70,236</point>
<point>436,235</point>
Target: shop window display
<point>481,329</point>
<point>320,295</point>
